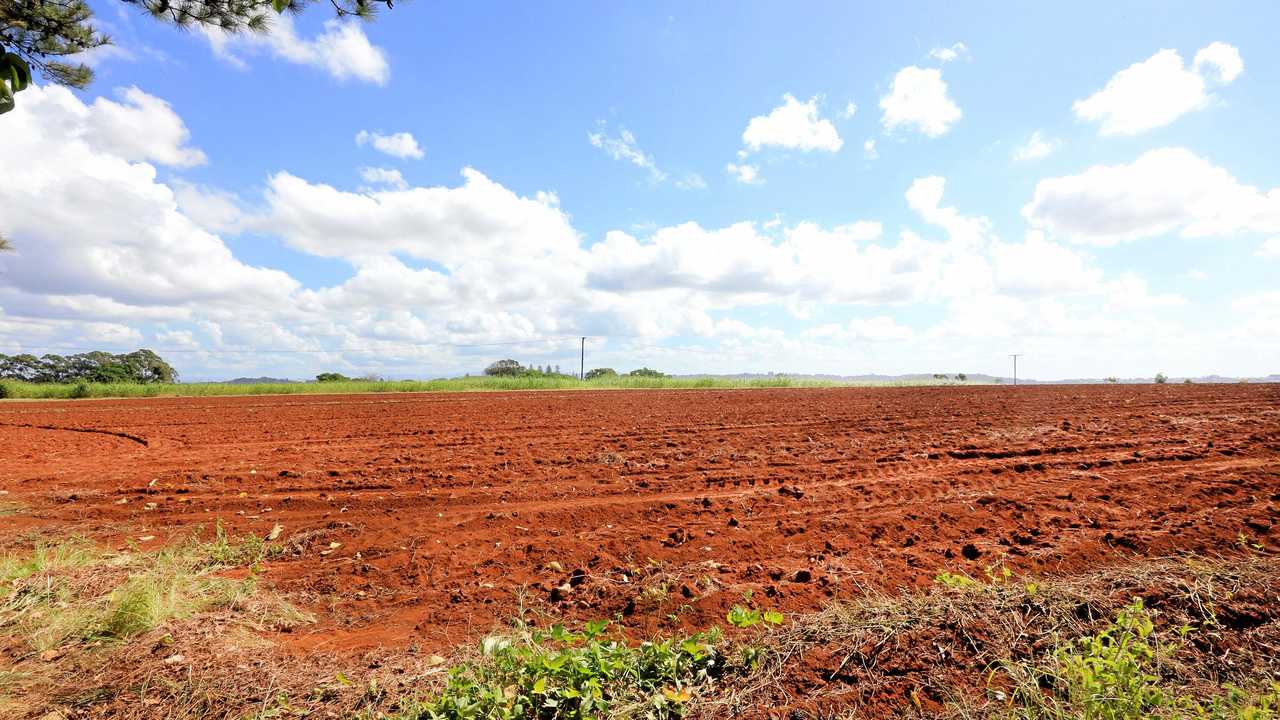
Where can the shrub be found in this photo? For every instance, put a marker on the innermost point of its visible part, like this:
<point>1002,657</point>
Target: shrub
<point>559,674</point>
<point>601,373</point>
<point>81,390</point>
<point>1113,380</point>
<point>331,377</point>
<point>961,377</point>
<point>1161,379</point>
<point>646,372</point>
<point>504,367</point>
<point>5,391</point>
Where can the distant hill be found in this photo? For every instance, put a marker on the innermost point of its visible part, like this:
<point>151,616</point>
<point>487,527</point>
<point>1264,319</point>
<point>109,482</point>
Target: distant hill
<point>260,381</point>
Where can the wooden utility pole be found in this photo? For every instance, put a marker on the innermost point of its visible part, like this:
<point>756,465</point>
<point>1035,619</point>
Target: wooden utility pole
<point>1015,357</point>
<point>582,360</point>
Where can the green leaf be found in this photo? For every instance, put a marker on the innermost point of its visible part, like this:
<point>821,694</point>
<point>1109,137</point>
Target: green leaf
<point>19,72</point>
<point>280,5</point>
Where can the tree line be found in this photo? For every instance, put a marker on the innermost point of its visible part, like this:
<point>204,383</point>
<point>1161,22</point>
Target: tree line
<point>139,366</point>
<point>513,368</point>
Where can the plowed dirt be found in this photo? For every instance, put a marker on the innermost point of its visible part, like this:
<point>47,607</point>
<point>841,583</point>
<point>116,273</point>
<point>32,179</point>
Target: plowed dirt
<point>425,519</point>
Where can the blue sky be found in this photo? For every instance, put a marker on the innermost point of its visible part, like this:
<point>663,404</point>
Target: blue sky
<point>684,183</point>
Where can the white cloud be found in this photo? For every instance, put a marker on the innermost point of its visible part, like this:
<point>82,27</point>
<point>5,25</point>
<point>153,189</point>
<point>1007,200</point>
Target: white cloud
<point>850,110</point>
<point>793,125</point>
<point>140,127</point>
<point>918,100</point>
<point>388,177</point>
<point>1155,92</point>
<point>869,149</point>
<point>949,54</point>
<point>450,225</point>
<point>1164,191</point>
<point>1197,275</point>
<point>881,328</point>
<point>107,253</point>
<point>624,147</point>
<point>744,173</point>
<point>399,145</point>
<point>1270,248</point>
<point>342,50</point>
<point>212,209</point>
<point>92,226</point>
<point>692,181</point>
<point>1036,147</point>
<point>1223,59</point>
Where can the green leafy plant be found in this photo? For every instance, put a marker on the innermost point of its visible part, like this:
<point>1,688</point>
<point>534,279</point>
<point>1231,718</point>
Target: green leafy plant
<point>1112,676</point>
<point>954,580</point>
<point>556,673</point>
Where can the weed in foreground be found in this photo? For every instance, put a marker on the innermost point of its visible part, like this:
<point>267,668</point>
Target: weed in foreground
<point>556,673</point>
<point>69,593</point>
<point>1113,675</point>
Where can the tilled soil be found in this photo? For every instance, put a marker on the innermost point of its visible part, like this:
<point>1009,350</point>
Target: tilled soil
<point>425,519</point>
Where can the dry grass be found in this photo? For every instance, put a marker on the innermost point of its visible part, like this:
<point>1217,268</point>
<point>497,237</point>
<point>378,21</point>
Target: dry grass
<point>146,635</point>
<point>955,651</point>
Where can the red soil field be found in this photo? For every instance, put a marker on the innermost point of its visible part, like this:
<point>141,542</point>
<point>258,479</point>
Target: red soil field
<point>659,507</point>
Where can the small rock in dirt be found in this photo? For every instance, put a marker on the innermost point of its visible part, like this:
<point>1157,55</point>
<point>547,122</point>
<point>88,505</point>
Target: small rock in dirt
<point>561,592</point>
<point>174,660</point>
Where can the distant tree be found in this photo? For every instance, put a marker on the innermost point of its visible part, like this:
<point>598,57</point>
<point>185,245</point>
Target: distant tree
<point>939,376</point>
<point>1113,380</point>
<point>326,377</point>
<point>557,369</point>
<point>596,373</point>
<point>1186,381</point>
<point>4,244</point>
<point>646,372</point>
<point>139,366</point>
<point>961,377</point>
<point>504,367</point>
<point>50,36</point>
<point>1161,379</point>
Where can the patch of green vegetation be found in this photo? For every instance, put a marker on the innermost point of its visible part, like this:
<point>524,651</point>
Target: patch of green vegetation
<point>1112,675</point>
<point>70,593</point>
<point>556,673</point>
<point>53,391</point>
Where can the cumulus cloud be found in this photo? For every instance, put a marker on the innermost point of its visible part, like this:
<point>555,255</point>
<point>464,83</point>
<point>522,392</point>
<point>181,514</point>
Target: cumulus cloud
<point>1037,147</point>
<point>957,51</point>
<point>388,177</point>
<point>869,149</point>
<point>342,50</point>
<point>1155,92</point>
<point>850,109</point>
<point>1270,248</point>
<point>109,253</point>
<point>1164,191</point>
<point>744,172</point>
<point>398,145</point>
<point>138,127</point>
<point>793,125</point>
<point>918,100</point>
<point>93,226</point>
